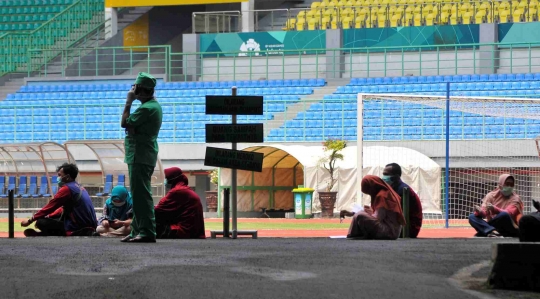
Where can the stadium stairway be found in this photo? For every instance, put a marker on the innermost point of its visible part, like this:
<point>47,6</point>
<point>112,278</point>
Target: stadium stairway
<point>305,103</point>
<point>125,17</point>
<point>11,86</point>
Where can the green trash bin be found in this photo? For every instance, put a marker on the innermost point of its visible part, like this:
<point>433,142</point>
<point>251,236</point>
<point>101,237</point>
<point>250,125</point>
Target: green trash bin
<point>303,202</point>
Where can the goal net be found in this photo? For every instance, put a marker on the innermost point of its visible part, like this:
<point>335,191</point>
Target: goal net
<point>486,137</point>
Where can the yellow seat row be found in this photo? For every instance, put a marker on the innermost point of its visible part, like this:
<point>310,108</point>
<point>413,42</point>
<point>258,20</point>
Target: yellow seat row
<point>352,3</point>
<point>416,15</point>
<point>398,18</point>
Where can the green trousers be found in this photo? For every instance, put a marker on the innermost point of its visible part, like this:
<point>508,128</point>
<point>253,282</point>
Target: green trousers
<point>144,222</point>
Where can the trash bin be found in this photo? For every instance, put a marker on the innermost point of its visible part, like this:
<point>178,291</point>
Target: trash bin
<point>303,202</point>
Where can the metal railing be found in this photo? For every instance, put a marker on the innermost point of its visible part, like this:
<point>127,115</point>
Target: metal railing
<point>231,21</point>
<point>335,118</point>
<point>451,59</point>
<point>62,31</point>
<point>100,61</point>
<point>359,62</point>
<point>371,16</point>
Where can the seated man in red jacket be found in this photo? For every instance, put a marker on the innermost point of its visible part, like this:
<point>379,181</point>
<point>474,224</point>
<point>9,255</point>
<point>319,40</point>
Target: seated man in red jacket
<point>179,215</point>
<point>392,176</point>
<point>69,213</point>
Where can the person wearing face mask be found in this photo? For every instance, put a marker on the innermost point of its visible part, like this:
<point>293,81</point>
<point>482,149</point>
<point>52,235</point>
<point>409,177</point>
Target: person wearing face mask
<point>383,219</point>
<point>502,208</point>
<point>115,220</point>
<point>529,225</point>
<point>179,215</point>
<point>141,152</point>
<point>392,176</point>
<point>72,203</point>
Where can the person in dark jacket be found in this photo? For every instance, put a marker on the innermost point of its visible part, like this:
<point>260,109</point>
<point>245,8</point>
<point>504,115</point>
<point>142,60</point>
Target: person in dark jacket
<point>69,213</point>
<point>392,176</point>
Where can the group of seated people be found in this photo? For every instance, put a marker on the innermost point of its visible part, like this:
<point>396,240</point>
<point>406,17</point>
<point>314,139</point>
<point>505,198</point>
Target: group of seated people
<point>179,215</point>
<point>500,215</point>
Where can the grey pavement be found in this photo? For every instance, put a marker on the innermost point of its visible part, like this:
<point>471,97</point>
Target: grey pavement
<point>86,267</point>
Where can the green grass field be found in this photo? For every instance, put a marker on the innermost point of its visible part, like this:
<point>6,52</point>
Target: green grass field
<point>241,225</point>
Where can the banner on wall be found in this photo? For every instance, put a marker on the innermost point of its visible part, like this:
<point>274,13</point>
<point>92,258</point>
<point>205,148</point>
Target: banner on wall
<point>263,43</point>
<point>136,34</point>
<point>519,33</point>
<point>411,36</point>
<point>136,3</point>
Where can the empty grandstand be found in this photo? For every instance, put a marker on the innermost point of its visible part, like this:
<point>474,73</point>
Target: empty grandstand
<point>66,82</point>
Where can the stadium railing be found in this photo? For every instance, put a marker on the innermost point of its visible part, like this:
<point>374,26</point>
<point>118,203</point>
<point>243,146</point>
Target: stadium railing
<point>449,59</point>
<point>64,30</point>
<point>101,61</point>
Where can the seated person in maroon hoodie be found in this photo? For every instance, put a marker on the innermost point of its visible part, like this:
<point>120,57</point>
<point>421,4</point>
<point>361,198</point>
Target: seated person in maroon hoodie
<point>179,215</point>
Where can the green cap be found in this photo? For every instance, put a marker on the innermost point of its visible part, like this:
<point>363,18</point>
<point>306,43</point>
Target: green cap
<point>145,80</point>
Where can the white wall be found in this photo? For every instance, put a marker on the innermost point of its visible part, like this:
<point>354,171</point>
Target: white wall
<point>263,68</point>
<point>467,61</point>
<point>519,60</point>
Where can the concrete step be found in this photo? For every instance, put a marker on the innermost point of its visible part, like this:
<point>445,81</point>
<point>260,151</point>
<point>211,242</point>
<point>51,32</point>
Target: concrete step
<point>304,104</point>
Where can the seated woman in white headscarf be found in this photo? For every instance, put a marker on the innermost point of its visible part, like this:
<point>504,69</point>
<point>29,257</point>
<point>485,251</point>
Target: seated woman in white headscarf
<point>116,217</point>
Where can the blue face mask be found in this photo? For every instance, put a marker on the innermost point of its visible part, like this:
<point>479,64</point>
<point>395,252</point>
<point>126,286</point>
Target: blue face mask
<point>387,179</point>
<point>59,181</point>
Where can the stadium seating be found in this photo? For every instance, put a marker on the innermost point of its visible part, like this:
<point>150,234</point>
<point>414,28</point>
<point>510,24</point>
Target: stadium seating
<point>333,14</point>
<point>25,15</point>
<point>32,188</point>
<point>22,186</point>
<point>121,180</point>
<point>43,188</point>
<point>108,186</point>
<point>54,186</point>
<point>391,120</point>
<point>94,110</point>
<point>39,24</point>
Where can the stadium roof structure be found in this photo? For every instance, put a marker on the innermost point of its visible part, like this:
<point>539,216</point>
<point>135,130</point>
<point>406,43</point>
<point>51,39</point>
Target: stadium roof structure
<point>110,156</point>
<point>33,158</point>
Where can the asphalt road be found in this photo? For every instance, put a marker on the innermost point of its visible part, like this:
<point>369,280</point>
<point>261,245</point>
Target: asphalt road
<point>244,268</point>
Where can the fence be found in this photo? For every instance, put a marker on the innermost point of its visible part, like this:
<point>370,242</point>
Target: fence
<point>486,58</point>
<point>100,61</point>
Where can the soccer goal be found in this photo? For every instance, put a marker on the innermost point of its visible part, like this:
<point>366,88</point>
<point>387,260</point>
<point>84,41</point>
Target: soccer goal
<point>451,168</point>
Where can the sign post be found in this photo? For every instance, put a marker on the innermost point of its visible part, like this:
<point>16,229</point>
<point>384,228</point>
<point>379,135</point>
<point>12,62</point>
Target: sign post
<point>234,159</point>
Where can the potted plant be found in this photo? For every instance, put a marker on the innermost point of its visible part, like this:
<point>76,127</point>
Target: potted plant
<point>212,196</point>
<point>332,149</point>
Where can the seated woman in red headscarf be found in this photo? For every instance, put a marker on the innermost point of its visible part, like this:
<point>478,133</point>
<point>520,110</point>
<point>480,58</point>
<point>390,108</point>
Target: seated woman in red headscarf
<point>502,208</point>
<point>383,219</point>
<point>179,215</point>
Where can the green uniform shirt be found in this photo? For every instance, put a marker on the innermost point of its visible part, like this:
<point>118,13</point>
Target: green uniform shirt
<point>142,147</point>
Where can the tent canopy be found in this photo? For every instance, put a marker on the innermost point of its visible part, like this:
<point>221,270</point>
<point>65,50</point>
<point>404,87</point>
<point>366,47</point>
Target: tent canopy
<point>419,171</point>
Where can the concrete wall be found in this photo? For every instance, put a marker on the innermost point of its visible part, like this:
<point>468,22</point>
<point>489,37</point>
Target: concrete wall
<point>519,60</point>
<point>467,61</point>
<point>256,68</point>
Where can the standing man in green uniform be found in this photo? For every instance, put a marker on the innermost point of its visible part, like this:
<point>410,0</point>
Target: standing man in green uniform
<point>142,129</point>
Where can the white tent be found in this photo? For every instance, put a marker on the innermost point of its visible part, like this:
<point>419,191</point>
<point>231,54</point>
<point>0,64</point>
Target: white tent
<point>286,166</point>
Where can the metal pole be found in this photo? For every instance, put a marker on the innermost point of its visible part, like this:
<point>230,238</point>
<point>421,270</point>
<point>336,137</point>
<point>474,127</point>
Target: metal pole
<point>226,202</point>
<point>233,178</point>
<point>406,232</point>
<point>447,160</point>
<point>11,216</point>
